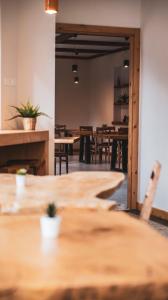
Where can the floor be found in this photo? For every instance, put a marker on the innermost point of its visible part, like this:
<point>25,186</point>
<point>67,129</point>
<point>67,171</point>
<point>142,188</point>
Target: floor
<point>120,196</point>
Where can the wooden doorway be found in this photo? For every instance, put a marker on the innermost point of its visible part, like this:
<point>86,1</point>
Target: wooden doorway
<point>134,38</point>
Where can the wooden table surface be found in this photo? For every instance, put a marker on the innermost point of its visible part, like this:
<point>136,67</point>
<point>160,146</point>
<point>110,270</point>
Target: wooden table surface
<point>17,137</point>
<point>80,189</point>
<point>113,135</point>
<point>98,256</point>
<point>67,140</point>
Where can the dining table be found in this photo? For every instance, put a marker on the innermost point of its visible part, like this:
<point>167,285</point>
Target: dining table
<point>69,140</point>
<point>86,137</point>
<point>100,253</point>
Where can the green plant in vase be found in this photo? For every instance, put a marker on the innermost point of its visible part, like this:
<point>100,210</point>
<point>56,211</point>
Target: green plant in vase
<point>29,114</point>
<point>50,223</point>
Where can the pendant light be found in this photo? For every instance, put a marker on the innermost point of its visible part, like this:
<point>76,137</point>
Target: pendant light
<point>76,80</point>
<point>51,6</point>
<point>75,68</point>
<point>126,63</point>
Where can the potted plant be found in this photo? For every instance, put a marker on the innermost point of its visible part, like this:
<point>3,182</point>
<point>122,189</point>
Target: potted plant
<point>50,223</point>
<point>21,178</point>
<point>29,114</point>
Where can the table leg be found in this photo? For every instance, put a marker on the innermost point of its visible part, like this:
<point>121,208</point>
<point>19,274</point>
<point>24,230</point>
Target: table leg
<point>125,155</point>
<point>87,149</point>
<point>81,151</point>
<point>114,155</point>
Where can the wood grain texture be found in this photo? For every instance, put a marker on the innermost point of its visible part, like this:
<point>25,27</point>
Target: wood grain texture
<point>67,140</point>
<point>16,137</point>
<point>99,255</point>
<point>156,212</point>
<point>81,189</point>
<point>134,119</point>
<point>21,145</point>
<point>94,30</point>
<point>149,197</point>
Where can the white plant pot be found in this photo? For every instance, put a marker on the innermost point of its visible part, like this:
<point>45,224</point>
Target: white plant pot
<point>50,227</point>
<point>20,181</point>
<point>29,123</point>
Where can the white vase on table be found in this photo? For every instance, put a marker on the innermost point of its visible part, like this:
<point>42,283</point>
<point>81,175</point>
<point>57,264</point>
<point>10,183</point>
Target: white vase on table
<point>50,227</point>
<point>20,181</point>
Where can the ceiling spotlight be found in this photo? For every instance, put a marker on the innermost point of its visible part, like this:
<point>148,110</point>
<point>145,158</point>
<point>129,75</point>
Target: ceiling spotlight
<point>75,68</point>
<point>76,80</point>
<point>126,63</point>
<point>51,6</point>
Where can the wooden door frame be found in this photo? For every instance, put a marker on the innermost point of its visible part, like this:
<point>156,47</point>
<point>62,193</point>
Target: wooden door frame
<point>134,37</point>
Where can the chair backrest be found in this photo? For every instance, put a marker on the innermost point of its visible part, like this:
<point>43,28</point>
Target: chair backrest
<point>58,126</point>
<point>151,190</point>
<point>60,130</point>
<point>105,129</point>
<point>86,128</point>
<point>123,130</point>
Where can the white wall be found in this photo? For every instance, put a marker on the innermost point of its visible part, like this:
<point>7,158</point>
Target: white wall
<point>102,87</point>
<point>91,102</point>
<point>72,100</point>
<point>123,13</point>
<point>28,45</point>
<point>36,65</point>
<point>154,96</point>
<point>9,58</point>
<point>0,64</point>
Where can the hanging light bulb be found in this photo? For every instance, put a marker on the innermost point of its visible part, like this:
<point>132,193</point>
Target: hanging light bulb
<point>76,80</point>
<point>51,6</point>
<point>75,68</point>
<point>126,63</point>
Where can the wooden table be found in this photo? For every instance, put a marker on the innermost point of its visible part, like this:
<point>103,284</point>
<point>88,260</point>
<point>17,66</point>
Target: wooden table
<point>114,136</point>
<point>79,189</point>
<point>67,140</point>
<point>99,255</point>
<point>21,145</point>
<point>65,148</point>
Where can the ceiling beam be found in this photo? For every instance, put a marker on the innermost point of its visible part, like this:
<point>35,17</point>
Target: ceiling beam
<point>110,52</point>
<point>96,51</point>
<point>63,37</point>
<point>71,57</point>
<point>92,56</point>
<point>97,43</point>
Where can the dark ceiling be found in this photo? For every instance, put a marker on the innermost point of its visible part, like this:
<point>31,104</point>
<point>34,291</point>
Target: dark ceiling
<point>71,45</point>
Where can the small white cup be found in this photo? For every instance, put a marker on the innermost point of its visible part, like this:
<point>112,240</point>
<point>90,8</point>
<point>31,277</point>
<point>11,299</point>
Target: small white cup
<point>50,227</point>
<point>20,181</point>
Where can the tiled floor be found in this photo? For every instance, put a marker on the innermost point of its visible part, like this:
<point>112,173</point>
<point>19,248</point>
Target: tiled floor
<point>120,196</point>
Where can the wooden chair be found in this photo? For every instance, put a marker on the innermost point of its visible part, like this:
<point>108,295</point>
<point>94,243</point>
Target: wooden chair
<point>103,144</point>
<point>120,153</point>
<point>61,151</point>
<point>151,190</point>
<point>85,141</point>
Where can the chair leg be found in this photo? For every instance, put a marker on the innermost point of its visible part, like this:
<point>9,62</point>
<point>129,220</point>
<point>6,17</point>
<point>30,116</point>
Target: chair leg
<point>67,164</point>
<point>60,161</point>
<point>55,166</point>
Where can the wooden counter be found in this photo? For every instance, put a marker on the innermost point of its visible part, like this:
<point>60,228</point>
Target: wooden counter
<point>20,144</point>
<point>99,255</point>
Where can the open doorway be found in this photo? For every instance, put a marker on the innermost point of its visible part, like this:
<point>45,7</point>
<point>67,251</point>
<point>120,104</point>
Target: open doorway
<point>97,77</point>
